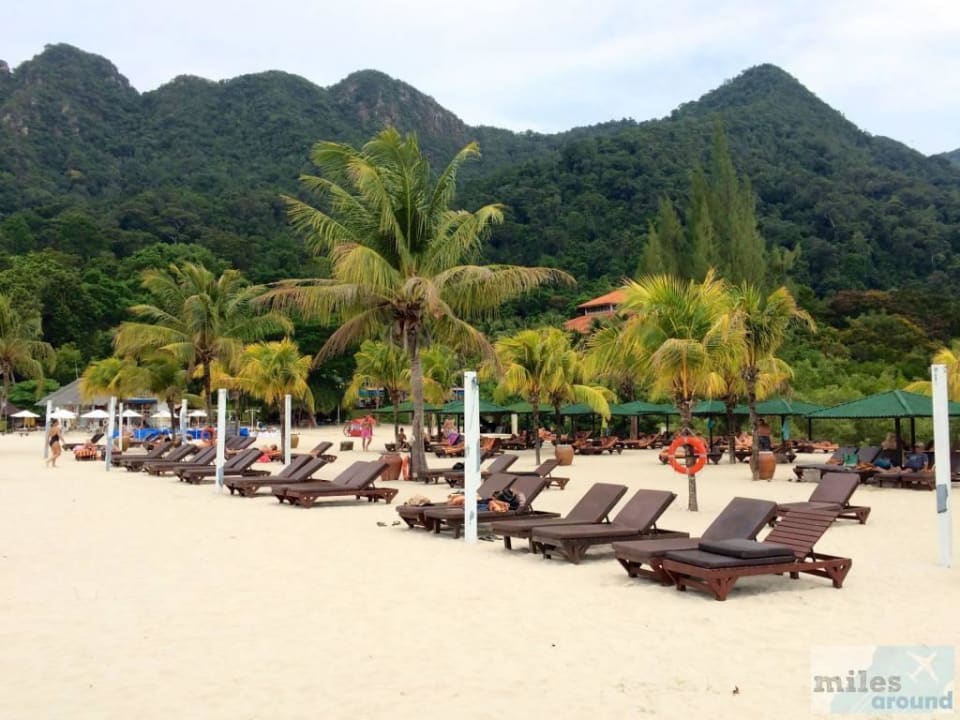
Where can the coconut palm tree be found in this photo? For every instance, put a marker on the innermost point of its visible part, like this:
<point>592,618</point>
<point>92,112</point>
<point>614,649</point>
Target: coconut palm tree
<point>541,367</point>
<point>22,349</point>
<point>944,356</point>
<point>401,258</point>
<point>198,318</point>
<point>382,365</point>
<point>681,328</point>
<point>271,370</point>
<point>762,323</point>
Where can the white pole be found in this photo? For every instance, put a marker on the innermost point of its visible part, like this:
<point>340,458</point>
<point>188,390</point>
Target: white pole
<point>471,459</point>
<point>941,445</point>
<point>46,430</point>
<point>514,423</point>
<point>184,434</point>
<point>111,411</point>
<point>120,423</point>
<point>287,406</point>
<point>221,435</point>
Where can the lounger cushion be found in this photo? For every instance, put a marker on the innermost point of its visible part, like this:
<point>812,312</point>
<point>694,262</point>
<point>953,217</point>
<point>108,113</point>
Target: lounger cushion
<point>744,549</point>
<point>714,560</point>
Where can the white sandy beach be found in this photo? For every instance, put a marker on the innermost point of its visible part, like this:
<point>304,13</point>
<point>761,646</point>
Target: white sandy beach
<point>124,595</point>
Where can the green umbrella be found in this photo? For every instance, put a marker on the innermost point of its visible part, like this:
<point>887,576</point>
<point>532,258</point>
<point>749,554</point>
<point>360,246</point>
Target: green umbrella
<point>523,408</point>
<point>406,407</point>
<point>486,407</point>
<point>638,407</point>
<point>577,409</point>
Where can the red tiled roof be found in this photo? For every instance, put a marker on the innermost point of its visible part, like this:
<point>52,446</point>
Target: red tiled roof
<point>584,323</point>
<point>614,297</point>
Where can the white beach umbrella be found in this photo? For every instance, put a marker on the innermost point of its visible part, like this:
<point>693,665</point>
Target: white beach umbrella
<point>25,414</point>
<point>197,413</point>
<point>96,415</point>
<point>62,414</point>
<point>165,414</point>
<point>128,413</point>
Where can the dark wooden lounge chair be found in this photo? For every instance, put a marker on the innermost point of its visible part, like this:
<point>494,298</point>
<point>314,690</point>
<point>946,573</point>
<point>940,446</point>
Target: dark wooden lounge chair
<point>135,462</point>
<point>360,485</point>
<point>637,520</point>
<point>592,508</point>
<point>500,464</point>
<point>453,518</point>
<point>834,463</point>
<point>239,464</point>
<point>717,564</point>
<point>832,492</point>
<point>94,439</point>
<point>413,515</point>
<point>545,470</point>
<point>610,444</point>
<point>318,450</point>
<point>300,469</point>
<point>200,458</point>
<point>742,518</point>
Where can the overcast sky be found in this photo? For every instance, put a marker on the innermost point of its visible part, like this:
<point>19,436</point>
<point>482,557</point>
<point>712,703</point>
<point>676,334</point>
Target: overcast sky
<point>893,68</point>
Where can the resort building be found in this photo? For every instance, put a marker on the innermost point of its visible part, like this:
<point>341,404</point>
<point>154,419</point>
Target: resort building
<point>597,309</point>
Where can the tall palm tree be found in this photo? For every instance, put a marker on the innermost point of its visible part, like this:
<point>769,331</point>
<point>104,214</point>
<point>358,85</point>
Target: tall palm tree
<point>271,370</point>
<point>382,365</point>
<point>401,257</point>
<point>198,318</point>
<point>542,368</point>
<point>682,329</point>
<point>949,356</point>
<point>763,322</point>
<point>22,349</point>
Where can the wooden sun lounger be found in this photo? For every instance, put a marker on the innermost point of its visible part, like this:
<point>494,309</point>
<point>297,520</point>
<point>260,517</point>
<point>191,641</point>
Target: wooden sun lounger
<point>94,439</point>
<point>637,520</point>
<point>832,492</point>
<point>545,471</point>
<point>200,458</point>
<point>716,565</point>
<point>413,515</point>
<point>610,444</point>
<point>453,518</point>
<point>300,469</point>
<point>592,508</point>
<point>239,464</point>
<point>135,462</point>
<point>742,518</point>
<point>500,464</point>
<point>360,485</point>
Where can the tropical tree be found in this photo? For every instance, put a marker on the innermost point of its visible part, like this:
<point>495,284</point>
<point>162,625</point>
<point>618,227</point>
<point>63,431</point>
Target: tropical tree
<point>762,322</point>
<point>681,328</point>
<point>272,370</point>
<point>22,349</point>
<point>401,258</point>
<point>541,367</point>
<point>944,356</point>
<point>382,365</point>
<point>198,318</point>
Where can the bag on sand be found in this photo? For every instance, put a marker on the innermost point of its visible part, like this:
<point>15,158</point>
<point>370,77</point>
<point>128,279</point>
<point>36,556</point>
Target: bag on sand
<point>418,501</point>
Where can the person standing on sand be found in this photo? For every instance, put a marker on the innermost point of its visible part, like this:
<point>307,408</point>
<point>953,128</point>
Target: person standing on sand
<point>763,434</point>
<point>54,440</point>
<point>366,431</point>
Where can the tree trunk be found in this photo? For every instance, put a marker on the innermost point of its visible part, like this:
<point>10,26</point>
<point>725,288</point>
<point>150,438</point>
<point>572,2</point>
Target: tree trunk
<point>686,420</point>
<point>394,397</point>
<point>751,382</point>
<point>731,435</point>
<point>418,458</point>
<point>207,392</point>
<point>535,411</point>
<point>174,419</point>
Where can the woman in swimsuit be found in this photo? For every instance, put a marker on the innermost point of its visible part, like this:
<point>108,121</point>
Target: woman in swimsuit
<point>54,439</point>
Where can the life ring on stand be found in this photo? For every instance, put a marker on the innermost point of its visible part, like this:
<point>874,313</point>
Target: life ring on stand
<point>695,447</point>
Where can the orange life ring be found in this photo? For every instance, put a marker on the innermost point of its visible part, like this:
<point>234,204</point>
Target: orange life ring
<point>699,449</point>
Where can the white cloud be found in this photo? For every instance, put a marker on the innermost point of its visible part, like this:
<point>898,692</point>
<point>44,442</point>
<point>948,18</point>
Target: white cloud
<point>891,67</point>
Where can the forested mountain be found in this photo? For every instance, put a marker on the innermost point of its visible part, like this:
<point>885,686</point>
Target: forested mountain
<point>953,156</point>
<point>98,181</point>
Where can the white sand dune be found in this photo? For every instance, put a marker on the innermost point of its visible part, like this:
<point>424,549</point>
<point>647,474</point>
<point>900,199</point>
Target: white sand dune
<point>129,596</point>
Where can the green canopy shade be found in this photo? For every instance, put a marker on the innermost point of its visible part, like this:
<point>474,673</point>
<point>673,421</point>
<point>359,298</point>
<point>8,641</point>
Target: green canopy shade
<point>578,409</point>
<point>710,407</point>
<point>783,407</point>
<point>406,407</point>
<point>524,408</point>
<point>486,407</point>
<point>892,404</point>
<point>639,407</point>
